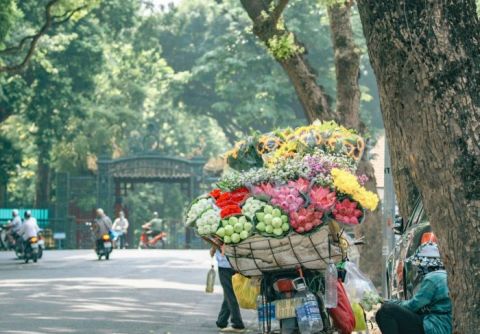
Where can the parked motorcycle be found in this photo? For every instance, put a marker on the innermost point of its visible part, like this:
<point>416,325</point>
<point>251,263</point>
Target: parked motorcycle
<point>151,240</point>
<point>31,250</point>
<point>104,247</point>
<point>281,288</point>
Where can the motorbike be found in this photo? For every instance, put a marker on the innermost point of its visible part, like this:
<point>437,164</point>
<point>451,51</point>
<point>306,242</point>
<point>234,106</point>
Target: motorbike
<point>31,250</point>
<point>279,288</point>
<point>104,247</point>
<point>20,247</point>
<point>151,240</point>
<point>7,240</point>
<point>4,242</point>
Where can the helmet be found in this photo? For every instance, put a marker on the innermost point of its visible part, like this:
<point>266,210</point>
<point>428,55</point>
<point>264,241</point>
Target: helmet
<point>28,214</point>
<point>155,214</point>
<point>14,212</point>
<point>100,212</point>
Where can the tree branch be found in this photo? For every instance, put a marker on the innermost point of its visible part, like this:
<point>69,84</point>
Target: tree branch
<point>50,20</point>
<point>278,10</point>
<point>313,97</point>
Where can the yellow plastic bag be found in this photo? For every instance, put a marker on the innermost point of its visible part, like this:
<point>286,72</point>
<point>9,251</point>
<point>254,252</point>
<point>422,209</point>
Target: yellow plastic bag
<point>360,324</point>
<point>245,292</point>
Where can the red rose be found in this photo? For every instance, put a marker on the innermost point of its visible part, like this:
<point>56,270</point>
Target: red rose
<point>230,210</point>
<point>215,193</point>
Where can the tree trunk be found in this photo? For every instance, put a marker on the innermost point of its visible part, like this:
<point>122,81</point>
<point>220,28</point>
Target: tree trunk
<point>42,185</point>
<point>347,67</point>
<point>371,260</point>
<point>3,191</point>
<point>425,55</point>
<point>312,96</point>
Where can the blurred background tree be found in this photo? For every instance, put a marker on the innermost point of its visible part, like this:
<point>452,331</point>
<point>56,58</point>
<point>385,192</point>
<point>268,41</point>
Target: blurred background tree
<point>192,75</point>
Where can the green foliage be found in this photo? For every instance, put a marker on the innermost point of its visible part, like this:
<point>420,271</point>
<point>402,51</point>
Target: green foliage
<point>184,82</point>
<point>284,47</point>
<point>9,159</point>
<point>8,14</point>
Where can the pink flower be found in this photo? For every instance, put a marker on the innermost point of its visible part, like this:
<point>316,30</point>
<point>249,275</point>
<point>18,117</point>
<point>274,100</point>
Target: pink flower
<point>264,189</point>
<point>347,212</point>
<point>306,219</point>
<point>323,198</point>
<point>300,184</point>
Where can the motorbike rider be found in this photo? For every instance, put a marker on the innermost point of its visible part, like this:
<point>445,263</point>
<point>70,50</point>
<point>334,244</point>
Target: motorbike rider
<point>29,228</point>
<point>155,225</point>
<point>120,226</point>
<point>101,226</point>
<point>13,227</point>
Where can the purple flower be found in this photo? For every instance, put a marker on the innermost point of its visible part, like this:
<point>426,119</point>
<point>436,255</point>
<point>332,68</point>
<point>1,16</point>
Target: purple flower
<point>362,179</point>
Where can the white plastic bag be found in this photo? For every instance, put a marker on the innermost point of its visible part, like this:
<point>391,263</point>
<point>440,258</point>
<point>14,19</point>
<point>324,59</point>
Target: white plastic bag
<point>359,287</point>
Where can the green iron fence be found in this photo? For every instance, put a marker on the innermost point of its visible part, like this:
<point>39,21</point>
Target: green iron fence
<point>42,215</point>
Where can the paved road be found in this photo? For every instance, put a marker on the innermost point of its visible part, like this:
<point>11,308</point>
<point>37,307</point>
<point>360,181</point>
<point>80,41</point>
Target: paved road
<point>148,291</point>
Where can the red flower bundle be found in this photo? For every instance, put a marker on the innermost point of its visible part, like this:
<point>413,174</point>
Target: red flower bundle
<point>306,219</point>
<point>215,193</point>
<point>230,210</point>
<point>235,197</point>
<point>323,198</point>
<point>347,212</point>
<point>229,202</point>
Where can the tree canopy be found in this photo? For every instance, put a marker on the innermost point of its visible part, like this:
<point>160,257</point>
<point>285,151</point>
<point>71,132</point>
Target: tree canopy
<point>119,77</point>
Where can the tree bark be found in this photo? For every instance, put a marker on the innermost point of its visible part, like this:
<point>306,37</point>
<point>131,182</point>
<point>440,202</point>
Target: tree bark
<point>347,68</point>
<point>312,96</point>
<point>425,55</point>
<point>371,260</point>
<point>3,190</point>
<point>42,185</point>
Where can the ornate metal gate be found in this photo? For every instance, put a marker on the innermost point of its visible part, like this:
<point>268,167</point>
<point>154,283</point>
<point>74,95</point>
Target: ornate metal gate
<point>114,174</point>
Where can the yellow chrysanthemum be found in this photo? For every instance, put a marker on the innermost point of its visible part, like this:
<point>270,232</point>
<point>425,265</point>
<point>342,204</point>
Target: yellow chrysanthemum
<point>347,183</point>
<point>367,199</point>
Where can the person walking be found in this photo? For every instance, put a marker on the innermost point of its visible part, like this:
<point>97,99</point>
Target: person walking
<point>120,226</point>
<point>230,310</point>
<point>429,311</point>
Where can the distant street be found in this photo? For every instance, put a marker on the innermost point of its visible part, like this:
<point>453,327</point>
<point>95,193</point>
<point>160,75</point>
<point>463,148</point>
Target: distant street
<point>144,291</point>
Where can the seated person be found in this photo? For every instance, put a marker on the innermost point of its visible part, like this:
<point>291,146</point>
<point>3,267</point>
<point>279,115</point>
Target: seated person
<point>429,311</point>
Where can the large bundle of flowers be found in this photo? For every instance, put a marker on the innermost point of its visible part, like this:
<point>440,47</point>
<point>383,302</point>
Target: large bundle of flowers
<point>291,181</point>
